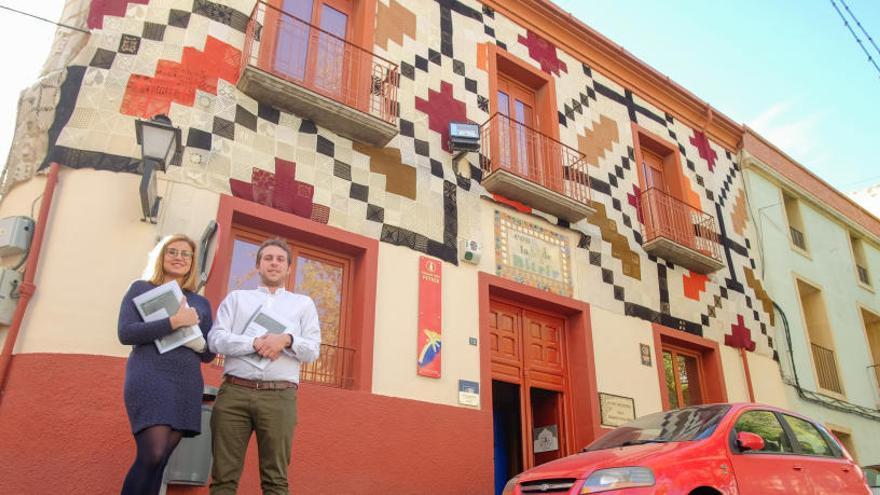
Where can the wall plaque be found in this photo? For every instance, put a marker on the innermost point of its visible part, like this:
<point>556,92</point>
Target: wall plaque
<point>616,410</point>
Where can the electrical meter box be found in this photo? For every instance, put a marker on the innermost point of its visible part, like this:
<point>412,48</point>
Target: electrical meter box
<point>15,235</point>
<point>10,282</point>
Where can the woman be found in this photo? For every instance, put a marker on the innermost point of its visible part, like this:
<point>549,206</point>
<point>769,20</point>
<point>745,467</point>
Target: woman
<point>163,392</point>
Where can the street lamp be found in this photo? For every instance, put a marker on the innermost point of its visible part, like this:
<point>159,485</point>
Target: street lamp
<point>159,141</point>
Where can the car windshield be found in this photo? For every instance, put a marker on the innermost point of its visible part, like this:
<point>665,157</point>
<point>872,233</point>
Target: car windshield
<point>681,425</point>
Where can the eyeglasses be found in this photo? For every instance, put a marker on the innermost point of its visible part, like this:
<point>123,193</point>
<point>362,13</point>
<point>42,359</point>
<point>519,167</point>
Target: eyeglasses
<point>173,253</point>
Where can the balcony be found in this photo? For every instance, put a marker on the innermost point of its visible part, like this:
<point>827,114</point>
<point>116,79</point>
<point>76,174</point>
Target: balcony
<point>678,232</point>
<point>303,69</point>
<point>525,165</point>
<point>826,369</point>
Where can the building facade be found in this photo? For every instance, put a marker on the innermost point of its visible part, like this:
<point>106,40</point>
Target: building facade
<point>818,257</point>
<point>482,312</point>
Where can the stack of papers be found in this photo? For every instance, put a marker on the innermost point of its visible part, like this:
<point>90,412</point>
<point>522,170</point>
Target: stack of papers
<point>263,321</point>
<point>160,303</point>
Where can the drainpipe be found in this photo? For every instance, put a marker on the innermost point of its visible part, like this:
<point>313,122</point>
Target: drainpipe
<point>745,360</point>
<point>27,285</point>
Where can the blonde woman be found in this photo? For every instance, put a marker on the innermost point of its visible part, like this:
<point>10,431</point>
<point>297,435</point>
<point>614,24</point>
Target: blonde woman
<point>163,391</point>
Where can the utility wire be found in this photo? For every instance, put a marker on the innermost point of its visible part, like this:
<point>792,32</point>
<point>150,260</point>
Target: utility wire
<point>856,36</point>
<point>44,19</point>
<point>859,24</point>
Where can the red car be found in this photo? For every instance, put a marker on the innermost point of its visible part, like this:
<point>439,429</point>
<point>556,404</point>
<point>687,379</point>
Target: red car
<point>744,449</point>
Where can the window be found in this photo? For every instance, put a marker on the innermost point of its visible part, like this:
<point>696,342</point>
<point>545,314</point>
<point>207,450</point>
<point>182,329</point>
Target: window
<point>809,439</point>
<point>767,426</point>
<point>321,275</point>
<point>684,384</point>
<point>858,250</point>
<point>338,269</point>
<point>871,322</point>
<point>795,222</point>
<point>819,335</point>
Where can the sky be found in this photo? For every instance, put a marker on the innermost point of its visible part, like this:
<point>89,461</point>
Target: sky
<point>787,68</point>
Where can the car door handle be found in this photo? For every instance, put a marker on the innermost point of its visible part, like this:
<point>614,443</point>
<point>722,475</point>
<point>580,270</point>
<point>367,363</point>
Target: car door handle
<point>845,470</point>
<point>798,468</point>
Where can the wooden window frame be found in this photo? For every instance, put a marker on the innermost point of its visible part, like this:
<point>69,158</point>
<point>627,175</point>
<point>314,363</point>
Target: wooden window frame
<point>711,370</point>
<point>676,351</point>
<point>500,61</point>
<point>363,251</point>
<point>345,261</point>
<point>673,175</point>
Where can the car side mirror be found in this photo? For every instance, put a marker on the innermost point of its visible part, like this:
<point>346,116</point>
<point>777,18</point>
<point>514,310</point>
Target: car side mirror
<point>749,441</point>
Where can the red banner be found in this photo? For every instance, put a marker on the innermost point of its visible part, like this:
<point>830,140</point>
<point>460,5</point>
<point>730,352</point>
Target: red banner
<point>429,317</point>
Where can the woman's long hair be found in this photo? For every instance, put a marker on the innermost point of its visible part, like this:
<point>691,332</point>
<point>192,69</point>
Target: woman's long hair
<point>154,272</point>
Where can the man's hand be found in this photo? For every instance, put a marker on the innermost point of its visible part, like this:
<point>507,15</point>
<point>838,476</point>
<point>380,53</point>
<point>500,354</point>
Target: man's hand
<point>270,345</point>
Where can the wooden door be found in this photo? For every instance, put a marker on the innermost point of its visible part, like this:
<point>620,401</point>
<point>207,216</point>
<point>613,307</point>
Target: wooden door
<point>527,349</point>
<point>310,47</point>
<point>685,385</point>
<point>516,129</point>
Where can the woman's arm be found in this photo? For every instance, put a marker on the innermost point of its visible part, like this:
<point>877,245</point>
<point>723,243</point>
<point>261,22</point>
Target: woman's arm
<point>132,330</point>
<point>205,323</point>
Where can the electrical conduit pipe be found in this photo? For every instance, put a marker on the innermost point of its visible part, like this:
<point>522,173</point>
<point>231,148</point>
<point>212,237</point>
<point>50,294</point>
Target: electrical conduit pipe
<point>27,285</point>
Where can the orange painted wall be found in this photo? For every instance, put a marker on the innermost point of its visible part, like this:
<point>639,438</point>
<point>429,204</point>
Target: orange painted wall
<point>63,414</point>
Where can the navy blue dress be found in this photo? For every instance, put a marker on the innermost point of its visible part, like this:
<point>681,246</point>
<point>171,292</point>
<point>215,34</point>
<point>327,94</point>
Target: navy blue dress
<point>162,389</point>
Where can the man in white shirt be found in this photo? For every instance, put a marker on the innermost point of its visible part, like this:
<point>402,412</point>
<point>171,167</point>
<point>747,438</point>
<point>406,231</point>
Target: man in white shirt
<point>258,400</point>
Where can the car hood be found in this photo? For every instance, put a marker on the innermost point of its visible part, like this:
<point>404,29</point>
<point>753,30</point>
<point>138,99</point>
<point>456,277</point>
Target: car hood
<point>581,465</point>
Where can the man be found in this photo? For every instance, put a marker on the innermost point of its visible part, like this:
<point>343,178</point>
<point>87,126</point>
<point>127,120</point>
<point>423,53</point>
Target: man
<point>260,400</point>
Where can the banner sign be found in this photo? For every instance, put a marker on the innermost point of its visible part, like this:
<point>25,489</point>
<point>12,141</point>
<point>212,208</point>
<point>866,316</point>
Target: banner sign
<point>429,317</point>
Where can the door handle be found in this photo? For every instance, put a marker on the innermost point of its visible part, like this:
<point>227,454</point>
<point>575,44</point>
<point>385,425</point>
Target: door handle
<point>845,470</point>
<point>798,468</point>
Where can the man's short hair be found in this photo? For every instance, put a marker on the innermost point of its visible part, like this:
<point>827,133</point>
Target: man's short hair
<point>277,242</point>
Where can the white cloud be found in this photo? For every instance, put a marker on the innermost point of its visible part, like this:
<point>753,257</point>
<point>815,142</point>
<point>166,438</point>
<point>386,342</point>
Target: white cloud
<point>794,134</point>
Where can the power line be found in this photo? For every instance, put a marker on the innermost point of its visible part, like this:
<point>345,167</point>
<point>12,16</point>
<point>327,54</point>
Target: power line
<point>859,24</point>
<point>859,40</point>
<point>44,19</point>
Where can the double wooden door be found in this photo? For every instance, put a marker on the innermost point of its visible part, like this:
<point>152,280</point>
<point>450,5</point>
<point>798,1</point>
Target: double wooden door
<point>528,352</point>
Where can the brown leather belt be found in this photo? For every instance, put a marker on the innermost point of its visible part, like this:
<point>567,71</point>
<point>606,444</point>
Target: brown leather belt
<point>260,384</point>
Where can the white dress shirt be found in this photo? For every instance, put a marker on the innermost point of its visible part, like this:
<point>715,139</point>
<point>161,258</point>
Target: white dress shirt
<point>237,308</point>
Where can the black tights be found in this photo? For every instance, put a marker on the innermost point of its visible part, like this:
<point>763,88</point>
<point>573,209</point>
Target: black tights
<point>154,446</point>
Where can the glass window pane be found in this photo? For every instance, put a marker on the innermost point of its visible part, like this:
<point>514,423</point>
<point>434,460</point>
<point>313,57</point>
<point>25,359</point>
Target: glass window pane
<point>689,378</point>
<point>291,50</point>
<point>322,281</point>
<point>765,425</point>
<point>808,437</point>
<point>670,380</point>
<point>503,103</point>
<point>243,269</point>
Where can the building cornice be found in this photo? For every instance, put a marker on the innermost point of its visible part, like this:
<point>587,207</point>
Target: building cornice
<point>613,61</point>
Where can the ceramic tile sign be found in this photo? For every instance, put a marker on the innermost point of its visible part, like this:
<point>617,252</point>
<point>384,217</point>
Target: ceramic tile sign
<point>545,439</point>
<point>616,410</point>
<point>532,255</point>
<point>429,317</point>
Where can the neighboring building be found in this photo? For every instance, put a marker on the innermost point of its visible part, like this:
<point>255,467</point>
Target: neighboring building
<point>819,257</point>
<point>617,276</point>
<point>869,199</point>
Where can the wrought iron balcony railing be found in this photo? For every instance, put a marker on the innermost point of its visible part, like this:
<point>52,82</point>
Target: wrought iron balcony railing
<point>515,158</point>
<point>285,55</point>
<point>668,225</point>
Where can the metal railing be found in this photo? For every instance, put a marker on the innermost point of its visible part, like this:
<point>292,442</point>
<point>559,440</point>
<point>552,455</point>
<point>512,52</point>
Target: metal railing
<point>826,369</point>
<point>306,55</point>
<point>662,215</point>
<point>797,238</point>
<point>333,367</point>
<point>519,149</point>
